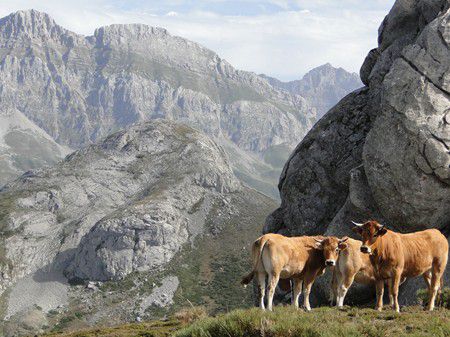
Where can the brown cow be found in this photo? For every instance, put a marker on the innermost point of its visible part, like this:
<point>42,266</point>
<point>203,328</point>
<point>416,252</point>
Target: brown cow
<point>398,256</point>
<point>350,266</point>
<point>280,257</point>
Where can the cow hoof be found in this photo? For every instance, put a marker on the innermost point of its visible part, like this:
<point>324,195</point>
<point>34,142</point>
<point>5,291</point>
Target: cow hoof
<point>380,309</point>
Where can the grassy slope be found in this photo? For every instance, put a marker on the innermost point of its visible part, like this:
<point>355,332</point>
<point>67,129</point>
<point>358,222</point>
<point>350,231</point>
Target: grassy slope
<point>210,273</point>
<point>285,321</point>
<point>324,321</point>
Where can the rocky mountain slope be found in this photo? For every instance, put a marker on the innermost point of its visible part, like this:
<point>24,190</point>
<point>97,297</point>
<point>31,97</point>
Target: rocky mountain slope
<point>141,210</point>
<point>79,89</point>
<point>383,151</point>
<point>24,146</point>
<point>322,87</point>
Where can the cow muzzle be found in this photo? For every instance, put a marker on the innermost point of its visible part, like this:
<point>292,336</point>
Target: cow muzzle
<point>366,250</point>
<point>330,263</point>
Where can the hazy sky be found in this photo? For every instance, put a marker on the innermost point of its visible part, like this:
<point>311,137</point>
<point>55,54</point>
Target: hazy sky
<point>281,38</point>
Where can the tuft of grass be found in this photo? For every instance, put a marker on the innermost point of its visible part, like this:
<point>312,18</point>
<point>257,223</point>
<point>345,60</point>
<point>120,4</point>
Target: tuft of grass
<point>190,315</point>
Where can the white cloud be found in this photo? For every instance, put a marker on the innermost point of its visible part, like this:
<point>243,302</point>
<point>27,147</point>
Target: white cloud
<point>285,43</point>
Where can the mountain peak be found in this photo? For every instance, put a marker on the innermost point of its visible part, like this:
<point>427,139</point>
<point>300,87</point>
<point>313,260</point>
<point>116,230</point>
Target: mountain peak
<point>125,32</point>
<point>31,15</point>
<point>31,23</point>
<point>329,68</point>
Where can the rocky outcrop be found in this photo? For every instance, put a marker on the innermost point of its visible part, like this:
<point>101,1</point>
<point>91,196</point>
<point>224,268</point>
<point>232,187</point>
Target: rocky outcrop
<point>118,206</point>
<point>322,87</point>
<point>383,151</point>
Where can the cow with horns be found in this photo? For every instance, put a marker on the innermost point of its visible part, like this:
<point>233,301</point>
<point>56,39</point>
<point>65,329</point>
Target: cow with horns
<point>397,256</point>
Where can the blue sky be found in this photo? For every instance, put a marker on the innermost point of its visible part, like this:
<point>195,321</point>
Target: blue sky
<point>281,38</point>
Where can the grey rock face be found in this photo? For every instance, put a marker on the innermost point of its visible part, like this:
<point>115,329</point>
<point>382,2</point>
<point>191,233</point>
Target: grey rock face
<point>322,87</point>
<point>125,204</point>
<point>383,151</point>
<point>161,296</point>
<point>79,89</point>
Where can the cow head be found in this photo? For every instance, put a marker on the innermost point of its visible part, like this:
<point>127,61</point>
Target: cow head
<point>369,231</point>
<point>331,247</point>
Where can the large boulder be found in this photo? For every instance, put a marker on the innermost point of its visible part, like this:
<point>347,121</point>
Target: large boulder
<point>383,151</point>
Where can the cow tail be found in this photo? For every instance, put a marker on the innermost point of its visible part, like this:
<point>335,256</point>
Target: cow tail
<point>257,249</point>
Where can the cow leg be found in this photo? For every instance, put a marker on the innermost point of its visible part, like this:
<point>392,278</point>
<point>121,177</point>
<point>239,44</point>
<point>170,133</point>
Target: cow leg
<point>334,287</point>
<point>273,281</point>
<point>394,289</point>
<point>391,297</point>
<point>439,293</point>
<point>261,289</point>
<point>297,290</point>
<point>427,278</point>
<point>342,290</point>
<point>308,282</point>
<point>434,287</point>
<point>380,292</point>
<point>436,281</point>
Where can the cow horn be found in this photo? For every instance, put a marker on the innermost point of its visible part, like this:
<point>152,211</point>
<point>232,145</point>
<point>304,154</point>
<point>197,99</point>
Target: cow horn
<point>357,224</point>
<point>317,240</point>
<point>343,239</point>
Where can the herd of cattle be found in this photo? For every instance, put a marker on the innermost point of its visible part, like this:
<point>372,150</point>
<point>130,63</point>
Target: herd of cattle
<point>382,257</point>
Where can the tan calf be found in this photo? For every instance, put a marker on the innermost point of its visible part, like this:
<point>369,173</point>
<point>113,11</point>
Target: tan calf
<point>280,257</point>
<point>398,256</point>
<point>351,265</point>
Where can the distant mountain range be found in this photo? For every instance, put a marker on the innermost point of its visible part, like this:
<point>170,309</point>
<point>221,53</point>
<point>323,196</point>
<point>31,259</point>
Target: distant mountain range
<point>322,87</point>
<point>64,91</point>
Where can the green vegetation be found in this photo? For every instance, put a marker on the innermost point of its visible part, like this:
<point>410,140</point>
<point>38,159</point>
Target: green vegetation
<point>324,321</point>
<point>209,272</point>
<point>149,329</point>
<point>286,322</point>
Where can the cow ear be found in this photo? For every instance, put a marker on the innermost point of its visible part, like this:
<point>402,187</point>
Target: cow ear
<point>318,245</point>
<point>382,231</point>
<point>342,245</point>
<point>357,229</point>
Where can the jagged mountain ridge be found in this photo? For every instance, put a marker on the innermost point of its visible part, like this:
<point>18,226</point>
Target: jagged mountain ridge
<point>79,89</point>
<point>322,86</point>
